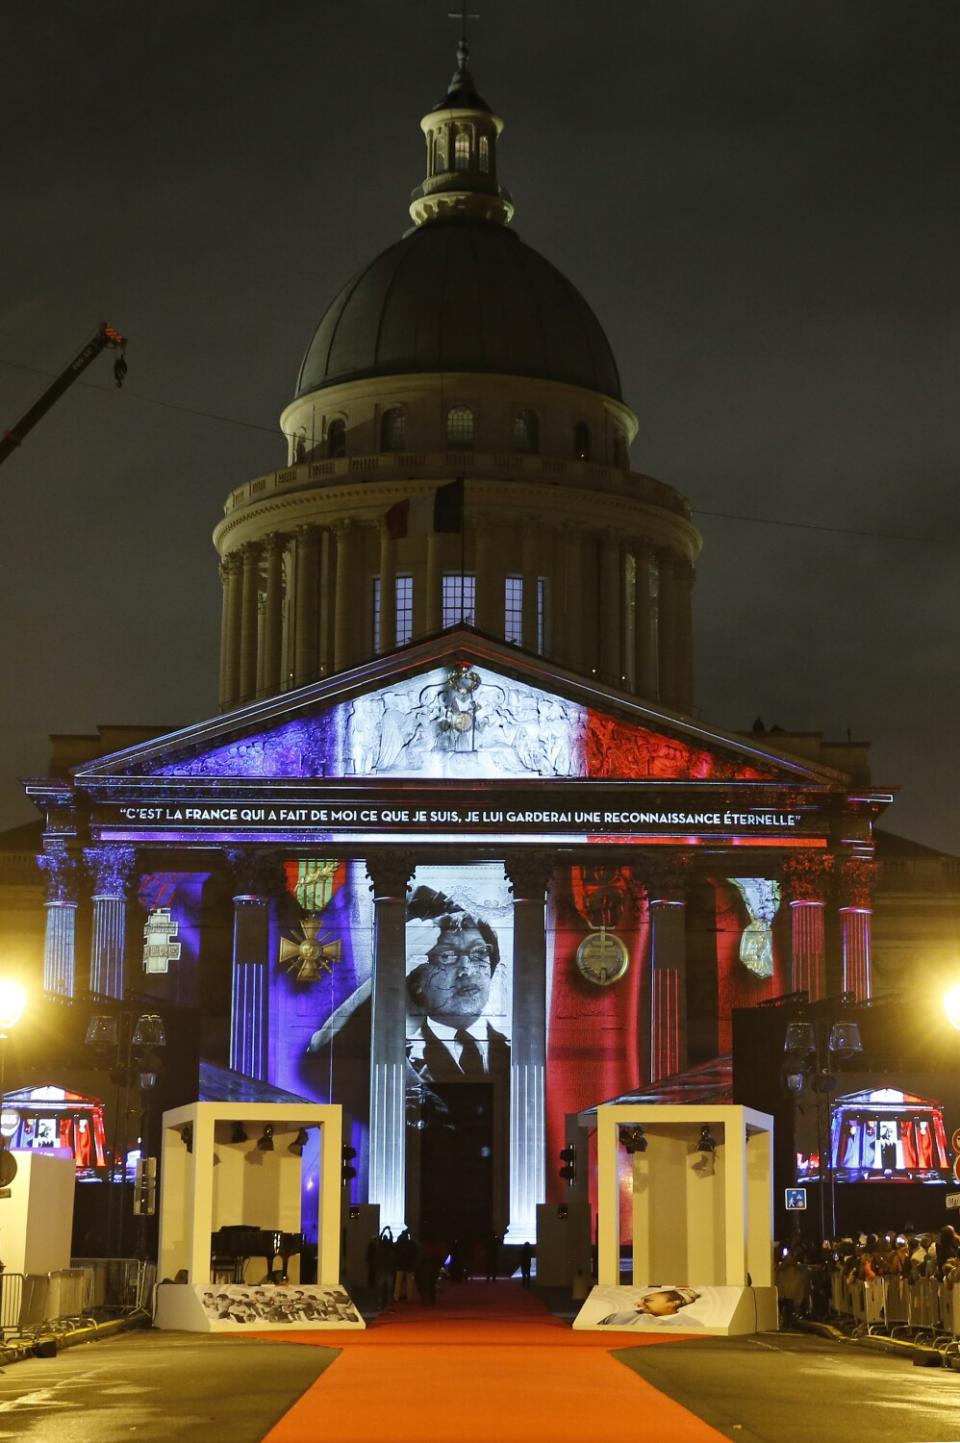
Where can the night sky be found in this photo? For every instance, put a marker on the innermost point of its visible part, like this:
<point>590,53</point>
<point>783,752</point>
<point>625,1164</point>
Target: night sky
<point>759,198</point>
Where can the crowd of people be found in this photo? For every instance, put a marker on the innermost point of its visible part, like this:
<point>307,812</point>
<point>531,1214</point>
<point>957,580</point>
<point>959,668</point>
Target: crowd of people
<point>402,1270</point>
<point>804,1272</point>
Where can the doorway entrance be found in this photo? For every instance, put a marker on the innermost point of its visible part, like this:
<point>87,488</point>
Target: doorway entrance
<point>456,1165</point>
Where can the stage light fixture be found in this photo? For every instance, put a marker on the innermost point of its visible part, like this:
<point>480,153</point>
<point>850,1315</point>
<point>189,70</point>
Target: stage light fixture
<point>633,1139</point>
<point>951,1005</point>
<point>844,1039</point>
<point>238,1133</point>
<point>299,1142</point>
<point>265,1143</point>
<point>186,1135</point>
<point>800,1039</point>
<point>707,1141</point>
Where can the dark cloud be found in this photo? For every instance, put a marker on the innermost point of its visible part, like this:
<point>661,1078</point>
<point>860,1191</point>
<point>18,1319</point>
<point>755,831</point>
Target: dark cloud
<point>759,200</point>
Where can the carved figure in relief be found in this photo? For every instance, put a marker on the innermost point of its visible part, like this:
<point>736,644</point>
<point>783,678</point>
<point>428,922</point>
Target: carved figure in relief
<point>761,897</point>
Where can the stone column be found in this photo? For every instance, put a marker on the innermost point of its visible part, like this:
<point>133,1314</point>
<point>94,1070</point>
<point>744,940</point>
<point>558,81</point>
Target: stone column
<point>573,590</point>
<point>806,879</point>
<point>666,891</point>
<point>433,608</point>
<point>629,619</point>
<point>389,873</point>
<point>60,937</point>
<point>683,641</point>
<point>489,581</point>
<point>249,620</point>
<point>645,626</point>
<point>256,877</point>
<point>327,599</point>
<point>230,631</point>
<point>305,601</point>
<point>667,629</point>
<point>273,617</point>
<point>346,619</point>
<point>110,868</point>
<point>856,881</point>
<point>387,638</point>
<point>529,876</point>
<point>610,610</point>
<point>529,569</point>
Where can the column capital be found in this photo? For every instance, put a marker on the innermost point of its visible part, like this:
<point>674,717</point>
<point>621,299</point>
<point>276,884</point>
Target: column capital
<point>60,870</point>
<point>664,877</point>
<point>307,531</point>
<point>274,542</point>
<point>529,874</point>
<point>806,877</point>
<point>231,563</point>
<point>109,867</point>
<point>390,872</point>
<point>856,878</point>
<point>255,872</point>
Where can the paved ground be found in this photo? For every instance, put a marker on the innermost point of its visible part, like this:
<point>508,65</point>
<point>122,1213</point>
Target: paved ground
<point>795,1388</point>
<point>156,1387</point>
<point>791,1388</point>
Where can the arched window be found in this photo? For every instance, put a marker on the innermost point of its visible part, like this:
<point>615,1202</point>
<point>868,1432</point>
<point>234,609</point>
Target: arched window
<point>337,438</point>
<point>526,432</point>
<point>484,153</point>
<point>581,441</point>
<point>300,446</point>
<point>460,428</point>
<point>393,430</point>
<point>440,162</point>
<point>621,456</point>
<point>461,150</point>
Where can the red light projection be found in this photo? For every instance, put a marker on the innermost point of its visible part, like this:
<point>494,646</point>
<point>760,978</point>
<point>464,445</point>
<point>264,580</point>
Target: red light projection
<point>619,749</point>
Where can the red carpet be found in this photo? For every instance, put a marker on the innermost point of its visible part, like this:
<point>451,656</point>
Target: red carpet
<point>487,1364</point>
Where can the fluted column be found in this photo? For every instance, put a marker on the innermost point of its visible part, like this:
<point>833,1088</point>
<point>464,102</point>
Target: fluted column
<point>305,601</point>
<point>230,631</point>
<point>256,877</point>
<point>666,882</point>
<point>572,594</point>
<point>346,619</point>
<point>683,581</point>
<point>249,620</point>
<point>433,602</point>
<point>806,879</point>
<point>273,617</point>
<point>489,581</point>
<point>529,569</point>
<point>387,639</point>
<point>389,873</point>
<point>645,624</point>
<point>609,621</point>
<point>629,620</point>
<point>529,876</point>
<point>327,598</point>
<point>110,868</point>
<point>667,629</point>
<point>856,882</point>
<point>60,934</point>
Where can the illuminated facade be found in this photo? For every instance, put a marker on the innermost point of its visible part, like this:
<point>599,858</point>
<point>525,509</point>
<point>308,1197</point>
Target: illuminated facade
<point>455,853</point>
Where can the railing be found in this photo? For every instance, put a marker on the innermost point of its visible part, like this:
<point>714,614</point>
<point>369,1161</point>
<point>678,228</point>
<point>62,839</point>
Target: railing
<point>11,1301</point>
<point>922,1309</point>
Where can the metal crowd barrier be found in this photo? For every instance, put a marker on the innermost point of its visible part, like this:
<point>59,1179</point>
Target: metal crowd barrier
<point>897,1305</point>
<point>11,1301</point>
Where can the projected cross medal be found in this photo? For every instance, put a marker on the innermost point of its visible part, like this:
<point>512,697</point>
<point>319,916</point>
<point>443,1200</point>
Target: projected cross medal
<point>307,958</point>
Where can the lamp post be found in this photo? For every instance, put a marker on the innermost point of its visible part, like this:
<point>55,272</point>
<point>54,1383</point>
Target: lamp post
<point>13,1002</point>
<point>129,1044</point>
<point>811,1046</point>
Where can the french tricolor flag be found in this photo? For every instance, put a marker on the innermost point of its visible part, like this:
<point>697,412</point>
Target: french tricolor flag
<point>438,510</point>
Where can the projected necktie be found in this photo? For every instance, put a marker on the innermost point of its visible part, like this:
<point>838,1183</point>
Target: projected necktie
<point>471,1063</point>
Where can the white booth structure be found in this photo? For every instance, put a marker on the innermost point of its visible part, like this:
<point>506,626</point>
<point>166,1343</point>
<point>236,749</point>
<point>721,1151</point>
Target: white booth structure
<point>236,1167</point>
<point>702,1205</point>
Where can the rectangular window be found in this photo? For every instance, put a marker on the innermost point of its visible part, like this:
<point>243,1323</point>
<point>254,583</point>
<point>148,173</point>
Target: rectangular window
<point>459,599</point>
<point>376,616</point>
<point>541,614</point>
<point>404,610</point>
<point>513,610</point>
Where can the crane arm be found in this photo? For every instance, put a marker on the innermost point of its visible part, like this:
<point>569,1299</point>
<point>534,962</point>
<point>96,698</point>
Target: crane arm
<point>105,336</point>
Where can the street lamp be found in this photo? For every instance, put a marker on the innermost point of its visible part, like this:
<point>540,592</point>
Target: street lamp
<point>810,1048</point>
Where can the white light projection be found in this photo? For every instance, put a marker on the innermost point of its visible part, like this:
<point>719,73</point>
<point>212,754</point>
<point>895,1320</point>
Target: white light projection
<point>761,897</point>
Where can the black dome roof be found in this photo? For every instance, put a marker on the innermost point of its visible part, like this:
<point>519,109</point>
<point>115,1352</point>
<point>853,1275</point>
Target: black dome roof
<point>460,296</point>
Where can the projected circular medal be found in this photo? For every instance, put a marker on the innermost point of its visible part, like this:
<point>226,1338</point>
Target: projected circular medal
<point>602,958</point>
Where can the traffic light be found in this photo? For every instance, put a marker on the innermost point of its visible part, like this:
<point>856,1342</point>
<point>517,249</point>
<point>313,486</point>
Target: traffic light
<point>568,1156</point>
<point>347,1171</point>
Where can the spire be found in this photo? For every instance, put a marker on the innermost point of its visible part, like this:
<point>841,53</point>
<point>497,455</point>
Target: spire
<point>461,132</point>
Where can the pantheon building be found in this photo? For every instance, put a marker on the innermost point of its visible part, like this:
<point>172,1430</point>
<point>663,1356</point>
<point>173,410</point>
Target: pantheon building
<point>455,852</point>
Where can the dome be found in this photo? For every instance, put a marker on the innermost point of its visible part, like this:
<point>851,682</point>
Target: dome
<point>460,295</point>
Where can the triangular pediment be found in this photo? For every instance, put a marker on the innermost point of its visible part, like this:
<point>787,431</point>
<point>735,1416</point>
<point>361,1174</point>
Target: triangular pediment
<point>460,708</point>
